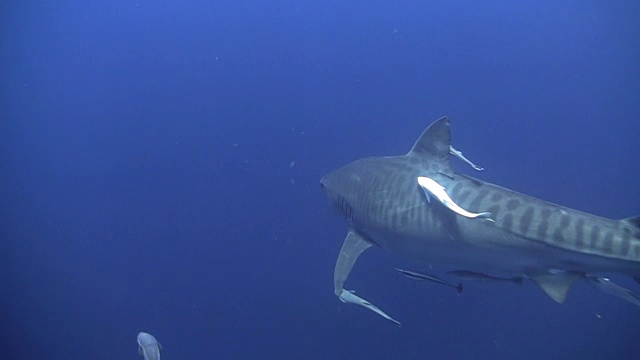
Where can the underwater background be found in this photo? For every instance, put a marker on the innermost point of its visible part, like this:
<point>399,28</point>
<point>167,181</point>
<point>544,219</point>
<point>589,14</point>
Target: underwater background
<point>160,166</point>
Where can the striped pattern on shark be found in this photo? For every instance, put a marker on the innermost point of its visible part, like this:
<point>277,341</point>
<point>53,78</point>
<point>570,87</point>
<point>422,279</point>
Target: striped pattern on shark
<point>553,245</point>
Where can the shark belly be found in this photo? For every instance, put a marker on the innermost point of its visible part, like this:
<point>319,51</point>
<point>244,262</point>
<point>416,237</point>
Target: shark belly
<point>492,251</point>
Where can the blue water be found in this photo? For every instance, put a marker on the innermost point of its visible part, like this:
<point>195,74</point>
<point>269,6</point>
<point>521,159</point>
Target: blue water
<point>160,166</point>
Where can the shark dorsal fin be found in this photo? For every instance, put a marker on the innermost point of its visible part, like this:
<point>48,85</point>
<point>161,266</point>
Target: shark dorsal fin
<point>433,147</point>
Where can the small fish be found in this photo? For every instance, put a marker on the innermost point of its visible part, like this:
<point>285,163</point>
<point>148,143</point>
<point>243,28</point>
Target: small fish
<point>419,276</point>
<point>148,346</point>
<point>605,285</point>
<point>459,155</point>
<point>478,276</point>
<point>349,297</point>
<point>433,188</point>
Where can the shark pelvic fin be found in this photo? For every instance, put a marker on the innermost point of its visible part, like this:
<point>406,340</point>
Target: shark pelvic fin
<point>354,244</point>
<point>557,285</point>
<point>434,145</point>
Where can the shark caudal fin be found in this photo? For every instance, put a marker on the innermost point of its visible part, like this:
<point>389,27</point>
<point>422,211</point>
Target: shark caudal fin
<point>433,146</point>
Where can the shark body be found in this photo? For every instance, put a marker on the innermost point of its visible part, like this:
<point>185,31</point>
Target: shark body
<point>384,205</point>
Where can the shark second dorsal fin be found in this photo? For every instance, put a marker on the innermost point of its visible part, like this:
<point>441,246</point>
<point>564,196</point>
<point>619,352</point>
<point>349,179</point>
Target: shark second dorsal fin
<point>433,147</point>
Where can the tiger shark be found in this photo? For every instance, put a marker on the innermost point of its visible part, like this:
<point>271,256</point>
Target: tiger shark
<point>416,207</point>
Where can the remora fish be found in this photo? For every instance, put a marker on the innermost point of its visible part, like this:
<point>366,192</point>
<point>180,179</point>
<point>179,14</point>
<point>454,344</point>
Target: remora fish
<point>420,276</point>
<point>148,346</point>
<point>433,188</point>
<point>384,206</point>
<point>349,297</point>
<point>478,276</point>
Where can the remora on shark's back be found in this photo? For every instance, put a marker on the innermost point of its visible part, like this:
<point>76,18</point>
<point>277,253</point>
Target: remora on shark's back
<point>472,225</point>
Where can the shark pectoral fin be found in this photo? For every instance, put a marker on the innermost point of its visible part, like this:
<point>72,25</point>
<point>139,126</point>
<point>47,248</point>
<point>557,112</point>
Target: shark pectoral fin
<point>349,297</point>
<point>354,244</point>
<point>557,285</point>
